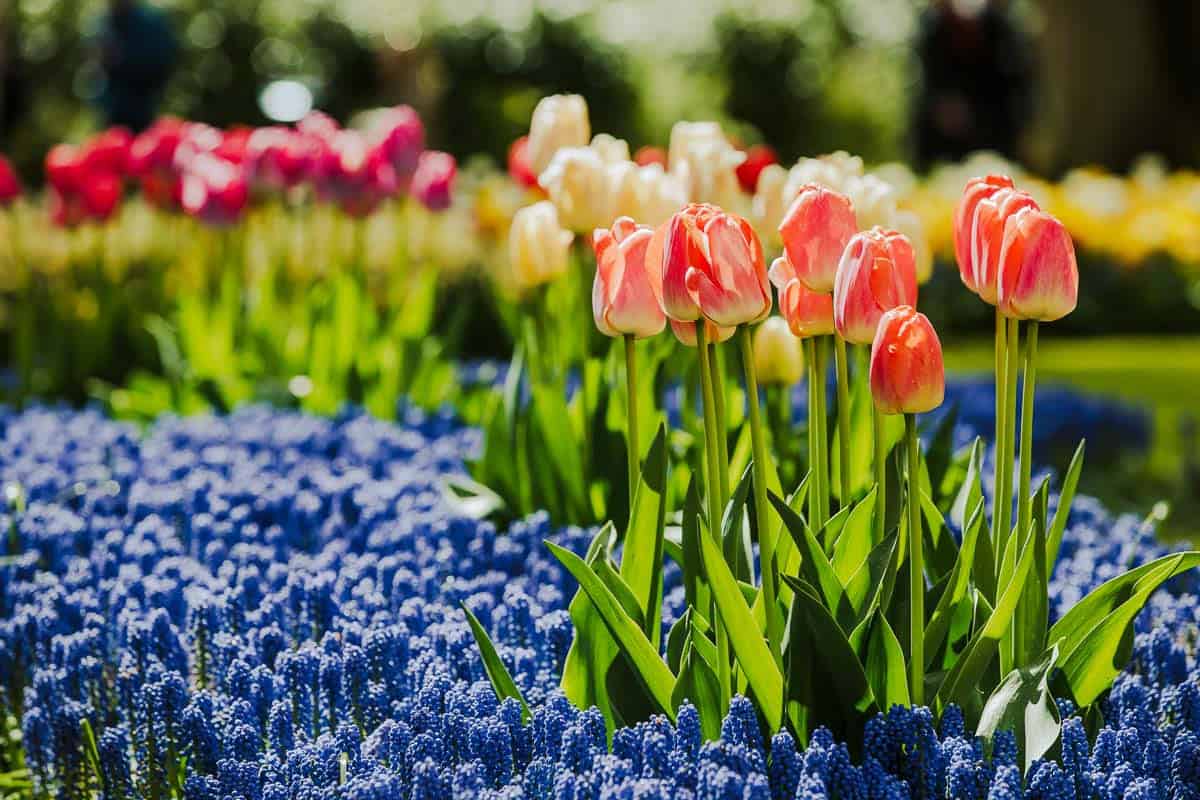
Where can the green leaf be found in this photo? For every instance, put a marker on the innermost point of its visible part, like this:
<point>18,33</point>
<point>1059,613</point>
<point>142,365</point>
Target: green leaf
<point>698,682</point>
<point>592,652</point>
<point>871,586</point>
<point>642,556</point>
<point>815,566</point>
<point>695,585</point>
<point>1097,642</point>
<point>1023,704</point>
<point>854,544</point>
<point>90,751</point>
<point>941,447</point>
<point>960,684</point>
<point>1065,497</point>
<point>885,667</point>
<point>656,678</point>
<point>470,498</point>
<point>941,552</point>
<point>675,640</point>
<point>826,683</point>
<point>748,644</point>
<point>1033,610</point>
<point>862,474</point>
<point>957,584</point>
<point>970,494</point>
<point>735,530</point>
<point>502,683</point>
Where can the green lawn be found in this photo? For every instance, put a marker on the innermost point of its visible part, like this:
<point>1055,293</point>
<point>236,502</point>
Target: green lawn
<point>1160,373</point>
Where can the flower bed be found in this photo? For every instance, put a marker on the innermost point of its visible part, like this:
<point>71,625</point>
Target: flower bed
<point>265,605</point>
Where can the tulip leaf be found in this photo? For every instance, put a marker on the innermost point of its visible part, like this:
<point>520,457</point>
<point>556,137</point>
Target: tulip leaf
<point>694,583</point>
<point>502,683</point>
<point>642,554</point>
<point>941,551</point>
<point>1023,704</point>
<point>885,666</point>
<point>1065,497</point>
<point>957,584</point>
<point>854,544</point>
<point>1033,611</point>
<point>814,566</point>
<point>647,664</point>
<point>826,683</point>
<point>593,650</point>
<point>746,639</point>
<point>560,447</point>
<point>941,447</point>
<point>698,683</point>
<point>735,530</point>
<point>871,585</point>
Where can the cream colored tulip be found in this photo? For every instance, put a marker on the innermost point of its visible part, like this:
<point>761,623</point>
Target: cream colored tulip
<point>578,185</point>
<point>769,203</point>
<point>874,202</point>
<point>560,120</point>
<point>646,194</point>
<point>537,246</point>
<point>908,223</point>
<point>706,163</point>
<point>778,354</point>
<point>610,149</point>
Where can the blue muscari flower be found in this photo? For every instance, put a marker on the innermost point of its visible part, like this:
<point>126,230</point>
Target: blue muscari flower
<point>784,769</point>
<point>740,726</point>
<point>1048,781</point>
<point>1006,785</point>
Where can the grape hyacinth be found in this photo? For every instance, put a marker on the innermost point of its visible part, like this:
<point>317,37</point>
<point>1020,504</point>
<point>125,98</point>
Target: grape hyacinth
<point>264,606</point>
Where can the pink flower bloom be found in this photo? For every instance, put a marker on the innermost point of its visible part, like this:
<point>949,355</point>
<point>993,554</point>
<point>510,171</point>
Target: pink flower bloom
<point>815,231</point>
<point>1039,278</point>
<point>987,237</point>
<point>907,374</point>
<point>877,273</point>
<point>433,182</point>
<point>808,313</point>
<point>622,298</point>
<point>964,220</point>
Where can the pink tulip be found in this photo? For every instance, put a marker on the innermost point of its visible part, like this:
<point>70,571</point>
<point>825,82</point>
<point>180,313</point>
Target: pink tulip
<point>1038,279</point>
<point>214,190</point>
<point>808,313</point>
<point>987,236</point>
<point>433,181</point>
<point>907,373</point>
<point>877,273</point>
<point>815,231</point>
<point>976,190</point>
<point>403,139</point>
<point>622,299</point>
<point>10,184</point>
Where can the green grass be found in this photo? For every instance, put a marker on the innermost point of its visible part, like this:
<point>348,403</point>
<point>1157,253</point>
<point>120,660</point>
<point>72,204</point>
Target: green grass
<point>1161,374</point>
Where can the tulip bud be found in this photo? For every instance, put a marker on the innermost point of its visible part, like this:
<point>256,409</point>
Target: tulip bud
<point>518,164</point>
<point>64,168</point>
<point>577,184</point>
<point>907,374</point>
<point>807,313</point>
<point>976,190</point>
<point>610,149</point>
<point>874,201</point>
<point>622,298</point>
<point>833,171</point>
<point>10,184</point>
<point>537,246</point>
<point>1038,279</point>
<point>433,181</point>
<point>815,231</point>
<point>778,356</point>
<point>647,194</point>
<point>101,194</point>
<point>758,158</point>
<point>108,151</point>
<point>987,237</point>
<point>559,121</point>
<point>877,273</point>
<point>401,139</point>
<point>706,162</point>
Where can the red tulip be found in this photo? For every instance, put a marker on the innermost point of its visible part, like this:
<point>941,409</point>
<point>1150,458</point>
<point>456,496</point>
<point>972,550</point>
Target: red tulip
<point>154,148</point>
<point>622,298</point>
<point>877,273</point>
<point>808,313</point>
<point>10,184</point>
<point>712,265</point>
<point>518,164</point>
<point>108,151</point>
<point>433,181</point>
<point>64,168</point>
<point>214,190</point>
<point>403,139</point>
<point>987,236</point>
<point>815,231</point>
<point>964,220</point>
<point>1038,278</point>
<point>907,374</point>
<point>101,194</point>
<point>649,154</point>
<point>758,158</point>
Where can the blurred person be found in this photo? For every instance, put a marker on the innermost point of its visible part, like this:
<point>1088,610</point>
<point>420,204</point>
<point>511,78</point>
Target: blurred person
<point>977,80</point>
<point>137,51</point>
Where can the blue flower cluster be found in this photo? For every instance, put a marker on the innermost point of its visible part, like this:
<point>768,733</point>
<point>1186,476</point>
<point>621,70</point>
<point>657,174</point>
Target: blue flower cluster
<point>265,606</point>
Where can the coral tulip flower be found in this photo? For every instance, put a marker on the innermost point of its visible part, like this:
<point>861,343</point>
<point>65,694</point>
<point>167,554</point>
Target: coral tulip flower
<point>876,274</point>
<point>807,313</point>
<point>1039,278</point>
<point>907,373</point>
<point>711,265</point>
<point>815,230</point>
<point>976,190</point>
<point>622,298</point>
<point>987,237</point>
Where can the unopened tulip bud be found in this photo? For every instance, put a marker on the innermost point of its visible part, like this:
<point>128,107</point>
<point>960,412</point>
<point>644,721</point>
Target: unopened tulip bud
<point>101,193</point>
<point>401,139</point>
<point>807,313</point>
<point>815,231</point>
<point>907,373</point>
<point>778,356</point>
<point>1039,278</point>
<point>877,273</point>
<point>987,237</point>
<point>577,184</point>
<point>559,121</point>
<point>977,189</point>
<point>623,301</point>
<point>706,162</point>
<point>538,246</point>
<point>433,181</point>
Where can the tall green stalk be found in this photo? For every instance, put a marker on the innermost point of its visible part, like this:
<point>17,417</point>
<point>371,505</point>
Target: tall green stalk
<point>843,413</point>
<point>724,677</point>
<point>880,443</point>
<point>814,436</point>
<point>822,421</point>
<point>1024,501</point>
<point>1001,433</point>
<point>717,360</point>
<point>1004,493</point>
<point>631,425</point>
<point>916,564</point>
<point>766,540</point>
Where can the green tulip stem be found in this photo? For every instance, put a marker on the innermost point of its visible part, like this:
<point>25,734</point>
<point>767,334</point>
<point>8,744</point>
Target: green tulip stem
<point>766,541</point>
<point>1004,492</point>
<point>916,563</point>
<point>717,360</point>
<point>843,414</point>
<point>1024,501</point>
<point>1001,367</point>
<point>724,677</point>
<point>814,435</point>
<point>632,441</point>
<point>822,421</point>
<point>881,454</point>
